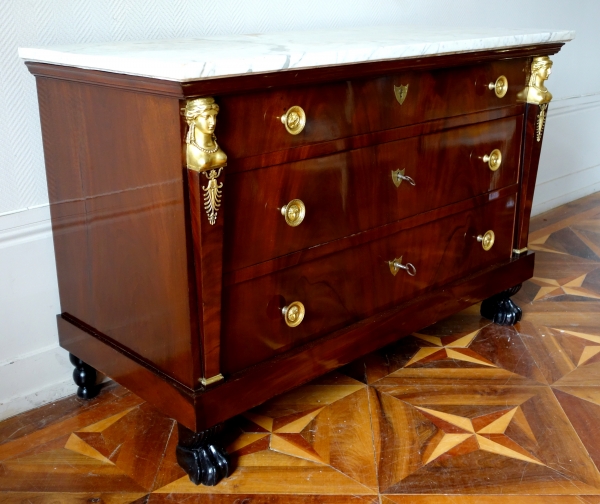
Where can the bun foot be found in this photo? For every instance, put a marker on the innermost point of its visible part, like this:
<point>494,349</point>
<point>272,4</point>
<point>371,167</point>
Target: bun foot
<point>501,309</point>
<point>204,461</point>
<point>84,377</point>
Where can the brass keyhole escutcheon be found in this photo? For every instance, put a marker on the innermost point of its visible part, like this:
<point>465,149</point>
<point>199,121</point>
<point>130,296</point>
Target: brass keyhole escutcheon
<point>396,265</point>
<point>400,93</point>
<point>294,212</point>
<point>398,176</point>
<point>293,313</point>
<point>294,120</point>
<point>487,240</point>
<point>500,87</point>
<point>493,159</point>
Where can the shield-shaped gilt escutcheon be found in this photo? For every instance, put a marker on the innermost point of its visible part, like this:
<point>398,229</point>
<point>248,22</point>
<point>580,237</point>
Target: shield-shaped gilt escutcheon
<point>397,176</point>
<point>401,92</point>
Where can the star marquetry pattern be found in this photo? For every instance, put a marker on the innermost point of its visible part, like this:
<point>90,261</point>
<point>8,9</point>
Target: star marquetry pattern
<point>461,435</point>
<point>589,351</point>
<point>90,441</point>
<point>448,347</point>
<point>283,435</point>
<point>574,235</point>
<point>550,288</point>
<point>539,245</point>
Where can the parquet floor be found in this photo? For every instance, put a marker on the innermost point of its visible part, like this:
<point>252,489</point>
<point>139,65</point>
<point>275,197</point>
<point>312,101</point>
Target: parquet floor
<point>461,412</point>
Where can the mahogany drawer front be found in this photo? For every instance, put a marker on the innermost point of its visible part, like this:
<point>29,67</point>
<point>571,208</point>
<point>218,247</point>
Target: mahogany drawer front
<point>348,286</point>
<point>349,108</point>
<point>354,191</point>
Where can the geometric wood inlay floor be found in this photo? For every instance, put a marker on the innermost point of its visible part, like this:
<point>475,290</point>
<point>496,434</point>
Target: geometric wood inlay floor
<point>463,411</point>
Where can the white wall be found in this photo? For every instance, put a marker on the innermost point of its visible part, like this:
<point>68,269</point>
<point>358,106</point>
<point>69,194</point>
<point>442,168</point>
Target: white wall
<point>33,369</point>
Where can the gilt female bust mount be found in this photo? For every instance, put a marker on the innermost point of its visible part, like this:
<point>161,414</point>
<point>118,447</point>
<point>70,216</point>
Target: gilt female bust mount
<point>202,152</point>
<point>536,92</point>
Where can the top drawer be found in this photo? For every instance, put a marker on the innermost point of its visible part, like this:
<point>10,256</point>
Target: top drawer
<point>251,124</point>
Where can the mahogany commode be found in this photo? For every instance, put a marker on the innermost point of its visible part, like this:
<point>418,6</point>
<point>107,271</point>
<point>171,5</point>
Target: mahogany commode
<point>332,210</point>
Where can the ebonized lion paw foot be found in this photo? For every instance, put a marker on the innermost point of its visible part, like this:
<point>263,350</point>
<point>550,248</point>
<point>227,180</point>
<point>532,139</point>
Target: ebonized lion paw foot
<point>205,462</point>
<point>501,309</point>
<point>84,377</point>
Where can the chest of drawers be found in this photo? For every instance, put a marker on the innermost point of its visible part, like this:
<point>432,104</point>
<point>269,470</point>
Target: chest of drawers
<point>337,209</point>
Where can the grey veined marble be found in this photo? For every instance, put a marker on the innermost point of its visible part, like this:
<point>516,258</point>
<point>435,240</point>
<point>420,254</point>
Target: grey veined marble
<point>208,57</point>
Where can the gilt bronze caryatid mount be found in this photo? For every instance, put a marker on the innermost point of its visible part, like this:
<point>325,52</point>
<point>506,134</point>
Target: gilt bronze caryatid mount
<point>536,92</point>
<point>202,152</point>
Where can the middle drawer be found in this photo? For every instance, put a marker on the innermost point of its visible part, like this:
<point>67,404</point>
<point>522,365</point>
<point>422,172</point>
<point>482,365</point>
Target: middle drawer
<point>353,191</point>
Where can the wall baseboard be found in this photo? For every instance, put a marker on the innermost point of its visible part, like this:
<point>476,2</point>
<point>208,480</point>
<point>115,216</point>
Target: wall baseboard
<point>565,189</point>
<point>569,163</point>
<point>34,380</point>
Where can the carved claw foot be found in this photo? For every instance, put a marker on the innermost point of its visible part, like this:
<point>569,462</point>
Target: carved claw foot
<point>501,309</point>
<point>205,462</point>
<point>84,377</point>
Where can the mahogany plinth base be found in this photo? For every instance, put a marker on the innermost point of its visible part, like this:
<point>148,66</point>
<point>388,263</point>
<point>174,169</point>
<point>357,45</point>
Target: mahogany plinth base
<point>201,458</point>
<point>501,309</point>
<point>84,377</point>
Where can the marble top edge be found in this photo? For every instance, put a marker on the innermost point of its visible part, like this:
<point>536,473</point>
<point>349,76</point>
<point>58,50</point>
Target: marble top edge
<point>230,55</point>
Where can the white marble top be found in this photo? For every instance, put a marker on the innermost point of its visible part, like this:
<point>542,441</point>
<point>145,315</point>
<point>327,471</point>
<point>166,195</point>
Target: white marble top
<point>228,55</point>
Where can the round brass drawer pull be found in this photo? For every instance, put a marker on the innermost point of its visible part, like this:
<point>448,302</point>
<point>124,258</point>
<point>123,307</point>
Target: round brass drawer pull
<point>396,265</point>
<point>487,240</point>
<point>293,314</point>
<point>500,87</point>
<point>294,212</point>
<point>294,120</point>
<point>494,159</point>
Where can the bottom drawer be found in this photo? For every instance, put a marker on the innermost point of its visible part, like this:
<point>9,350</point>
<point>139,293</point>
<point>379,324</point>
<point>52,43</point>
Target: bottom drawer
<point>347,286</point>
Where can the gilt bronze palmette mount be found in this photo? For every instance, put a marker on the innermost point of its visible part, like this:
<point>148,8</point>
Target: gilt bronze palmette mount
<point>212,195</point>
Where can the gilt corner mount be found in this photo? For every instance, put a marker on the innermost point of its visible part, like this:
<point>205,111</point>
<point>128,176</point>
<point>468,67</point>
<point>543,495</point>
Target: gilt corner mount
<point>536,92</point>
<point>202,152</point>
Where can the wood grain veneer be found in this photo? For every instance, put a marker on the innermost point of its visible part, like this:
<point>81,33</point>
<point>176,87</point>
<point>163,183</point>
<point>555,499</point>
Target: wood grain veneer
<point>358,106</point>
<point>117,200</point>
<point>446,167</point>
<point>356,283</point>
<point>200,409</point>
